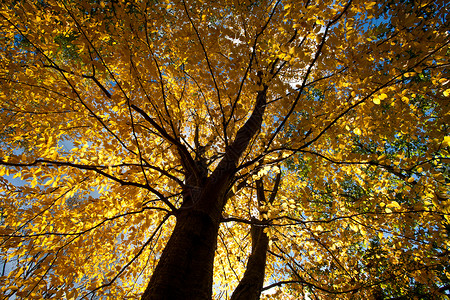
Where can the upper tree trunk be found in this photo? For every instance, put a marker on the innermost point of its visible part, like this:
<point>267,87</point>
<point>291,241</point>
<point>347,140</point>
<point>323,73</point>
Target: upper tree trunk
<point>251,284</point>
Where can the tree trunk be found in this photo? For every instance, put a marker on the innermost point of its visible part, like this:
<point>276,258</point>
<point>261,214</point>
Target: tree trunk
<point>185,268</point>
<point>251,284</point>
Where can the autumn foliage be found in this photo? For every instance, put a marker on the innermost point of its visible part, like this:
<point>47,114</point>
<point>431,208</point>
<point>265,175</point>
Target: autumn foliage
<point>220,149</point>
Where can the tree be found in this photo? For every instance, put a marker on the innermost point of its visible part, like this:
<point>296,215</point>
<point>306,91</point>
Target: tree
<point>217,149</point>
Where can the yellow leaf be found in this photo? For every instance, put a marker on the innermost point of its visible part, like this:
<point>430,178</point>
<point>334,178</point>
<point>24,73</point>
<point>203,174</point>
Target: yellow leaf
<point>393,204</point>
<point>55,183</point>
<point>33,183</point>
<point>357,131</point>
<point>353,227</point>
<point>446,141</point>
<point>376,101</point>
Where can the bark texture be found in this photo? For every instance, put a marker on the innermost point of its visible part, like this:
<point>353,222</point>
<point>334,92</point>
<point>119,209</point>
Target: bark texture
<point>184,270</point>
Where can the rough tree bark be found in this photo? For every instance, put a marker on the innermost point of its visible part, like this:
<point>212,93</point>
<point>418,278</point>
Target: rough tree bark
<point>185,269</point>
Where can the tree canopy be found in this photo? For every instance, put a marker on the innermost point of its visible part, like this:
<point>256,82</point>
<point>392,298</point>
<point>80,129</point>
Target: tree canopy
<point>219,149</point>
